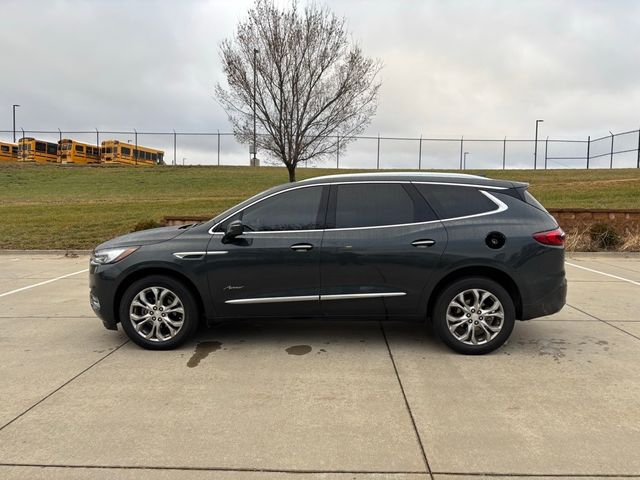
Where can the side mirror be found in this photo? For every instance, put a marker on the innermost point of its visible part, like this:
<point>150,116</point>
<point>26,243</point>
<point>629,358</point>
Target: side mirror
<point>234,229</point>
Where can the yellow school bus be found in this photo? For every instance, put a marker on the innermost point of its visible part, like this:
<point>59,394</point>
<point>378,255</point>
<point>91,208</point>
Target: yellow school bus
<point>39,151</point>
<point>8,152</point>
<point>72,151</point>
<point>114,151</point>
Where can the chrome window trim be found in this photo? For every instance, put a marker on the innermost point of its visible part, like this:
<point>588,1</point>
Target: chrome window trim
<point>311,298</point>
<point>501,207</point>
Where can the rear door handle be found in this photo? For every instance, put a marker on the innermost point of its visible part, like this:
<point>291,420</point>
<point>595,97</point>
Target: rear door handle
<point>423,243</point>
<point>301,247</point>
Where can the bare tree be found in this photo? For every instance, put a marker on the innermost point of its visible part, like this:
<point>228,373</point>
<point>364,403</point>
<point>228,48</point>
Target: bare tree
<point>314,88</point>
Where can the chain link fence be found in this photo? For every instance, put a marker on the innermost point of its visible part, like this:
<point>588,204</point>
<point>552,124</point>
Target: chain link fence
<point>619,150</point>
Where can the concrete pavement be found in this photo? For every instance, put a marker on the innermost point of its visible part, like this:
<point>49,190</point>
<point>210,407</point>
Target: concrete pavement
<point>314,399</point>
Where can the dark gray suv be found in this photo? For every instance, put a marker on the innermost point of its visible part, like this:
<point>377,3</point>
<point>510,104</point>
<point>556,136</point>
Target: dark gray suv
<point>467,253</point>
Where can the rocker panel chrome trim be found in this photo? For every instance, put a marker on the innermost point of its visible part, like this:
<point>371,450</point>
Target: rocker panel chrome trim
<point>311,298</point>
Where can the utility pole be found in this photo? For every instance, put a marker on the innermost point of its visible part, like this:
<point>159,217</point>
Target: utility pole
<point>535,147</point>
<point>14,123</point>
<point>255,88</point>
<point>464,161</point>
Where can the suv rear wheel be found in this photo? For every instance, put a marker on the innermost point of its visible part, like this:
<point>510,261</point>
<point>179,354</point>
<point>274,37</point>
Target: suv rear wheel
<point>158,312</point>
<point>474,315</point>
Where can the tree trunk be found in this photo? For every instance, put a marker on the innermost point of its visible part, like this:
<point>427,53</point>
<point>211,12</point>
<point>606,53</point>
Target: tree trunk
<point>292,172</point>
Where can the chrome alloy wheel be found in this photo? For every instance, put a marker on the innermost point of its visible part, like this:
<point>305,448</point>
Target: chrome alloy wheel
<point>156,314</point>
<point>475,316</point>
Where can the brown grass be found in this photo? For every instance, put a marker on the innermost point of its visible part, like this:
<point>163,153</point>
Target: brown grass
<point>579,239</point>
<point>631,243</point>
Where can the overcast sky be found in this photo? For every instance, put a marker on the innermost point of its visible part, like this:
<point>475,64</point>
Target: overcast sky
<point>484,69</point>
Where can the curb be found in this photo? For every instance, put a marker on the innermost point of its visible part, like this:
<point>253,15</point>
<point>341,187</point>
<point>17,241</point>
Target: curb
<point>605,253</point>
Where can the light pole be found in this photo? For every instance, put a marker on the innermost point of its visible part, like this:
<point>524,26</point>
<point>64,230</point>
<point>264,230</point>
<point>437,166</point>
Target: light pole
<point>183,160</point>
<point>255,84</point>
<point>464,161</point>
<point>535,147</point>
<point>14,123</point>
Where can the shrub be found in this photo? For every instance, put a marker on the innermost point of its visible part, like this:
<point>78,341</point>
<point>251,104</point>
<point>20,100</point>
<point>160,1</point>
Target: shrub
<point>604,236</point>
<point>146,225</point>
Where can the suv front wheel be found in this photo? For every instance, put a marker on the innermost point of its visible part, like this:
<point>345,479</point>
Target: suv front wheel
<point>158,312</point>
<point>474,315</point>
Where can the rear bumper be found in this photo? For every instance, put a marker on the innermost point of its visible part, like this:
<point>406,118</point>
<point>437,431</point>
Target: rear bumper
<point>550,303</point>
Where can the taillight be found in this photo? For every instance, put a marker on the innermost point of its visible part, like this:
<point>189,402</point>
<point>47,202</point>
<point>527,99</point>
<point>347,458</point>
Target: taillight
<point>552,237</point>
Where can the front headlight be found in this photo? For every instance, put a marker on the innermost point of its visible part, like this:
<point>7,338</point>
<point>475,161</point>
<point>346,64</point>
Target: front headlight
<point>111,255</point>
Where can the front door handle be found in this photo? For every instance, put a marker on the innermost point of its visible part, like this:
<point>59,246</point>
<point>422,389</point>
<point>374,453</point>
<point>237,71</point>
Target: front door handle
<point>423,243</point>
<point>301,247</point>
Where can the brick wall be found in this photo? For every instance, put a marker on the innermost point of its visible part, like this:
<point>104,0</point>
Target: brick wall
<point>622,220</point>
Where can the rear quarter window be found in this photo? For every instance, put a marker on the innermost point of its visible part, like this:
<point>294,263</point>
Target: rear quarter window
<point>531,200</point>
<point>454,201</point>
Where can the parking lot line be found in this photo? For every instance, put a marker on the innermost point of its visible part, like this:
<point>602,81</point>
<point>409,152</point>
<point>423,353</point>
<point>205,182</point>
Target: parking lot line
<point>602,273</point>
<point>10,292</point>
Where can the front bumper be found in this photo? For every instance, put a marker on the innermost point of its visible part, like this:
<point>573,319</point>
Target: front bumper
<point>102,289</point>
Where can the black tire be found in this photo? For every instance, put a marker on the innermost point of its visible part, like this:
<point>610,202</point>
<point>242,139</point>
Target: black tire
<point>176,289</point>
<point>450,292</point>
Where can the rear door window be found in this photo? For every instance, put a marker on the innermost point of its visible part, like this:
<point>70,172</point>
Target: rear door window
<point>378,204</point>
<point>455,201</point>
